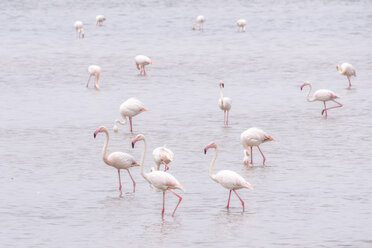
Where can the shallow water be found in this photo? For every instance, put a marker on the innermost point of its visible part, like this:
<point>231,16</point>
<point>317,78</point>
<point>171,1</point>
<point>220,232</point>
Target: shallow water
<point>55,189</point>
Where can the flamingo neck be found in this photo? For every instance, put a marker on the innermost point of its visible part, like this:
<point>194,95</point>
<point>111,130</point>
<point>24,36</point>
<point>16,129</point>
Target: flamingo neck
<point>104,150</point>
<point>308,95</point>
<point>221,94</point>
<point>212,164</point>
<point>143,161</point>
<point>121,122</point>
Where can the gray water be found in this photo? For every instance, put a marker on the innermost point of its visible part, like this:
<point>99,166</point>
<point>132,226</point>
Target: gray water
<point>56,191</point>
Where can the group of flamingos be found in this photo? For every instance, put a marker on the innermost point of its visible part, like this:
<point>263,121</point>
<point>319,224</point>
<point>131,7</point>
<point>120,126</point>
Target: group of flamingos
<point>163,181</point>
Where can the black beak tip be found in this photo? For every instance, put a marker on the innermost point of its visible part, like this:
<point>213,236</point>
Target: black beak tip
<point>132,145</point>
<point>94,135</point>
<point>205,151</point>
<point>223,85</point>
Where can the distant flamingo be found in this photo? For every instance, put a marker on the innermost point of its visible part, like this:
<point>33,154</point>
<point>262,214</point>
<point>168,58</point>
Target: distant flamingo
<point>347,70</point>
<point>162,155</point>
<point>118,160</point>
<point>322,95</point>
<point>79,29</point>
<point>129,108</point>
<point>141,61</point>
<point>94,70</point>
<point>253,137</point>
<point>159,180</point>
<point>199,23</point>
<point>241,25</point>
<point>225,104</point>
<point>100,19</point>
<point>227,178</point>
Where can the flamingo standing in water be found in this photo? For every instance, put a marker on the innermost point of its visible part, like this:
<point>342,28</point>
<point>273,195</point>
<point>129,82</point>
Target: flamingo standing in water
<point>225,104</point>
<point>159,180</point>
<point>118,160</point>
<point>347,70</point>
<point>241,25</point>
<point>94,70</point>
<point>227,178</point>
<point>162,155</point>
<point>100,19</point>
<point>79,29</point>
<point>322,95</point>
<point>253,137</point>
<point>199,23</point>
<point>129,108</point>
<point>141,61</point>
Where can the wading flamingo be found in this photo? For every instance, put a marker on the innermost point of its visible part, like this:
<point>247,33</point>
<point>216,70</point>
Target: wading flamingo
<point>241,25</point>
<point>129,108</point>
<point>159,180</point>
<point>94,70</point>
<point>225,104</point>
<point>79,29</point>
<point>118,160</point>
<point>141,61</point>
<point>253,137</point>
<point>162,155</point>
<point>227,178</point>
<point>199,23</point>
<point>100,19</point>
<point>347,70</point>
<point>322,95</point>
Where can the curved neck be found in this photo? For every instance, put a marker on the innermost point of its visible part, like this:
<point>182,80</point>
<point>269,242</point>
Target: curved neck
<point>104,150</point>
<point>308,95</point>
<point>143,160</point>
<point>221,94</point>
<point>121,122</point>
<point>212,163</point>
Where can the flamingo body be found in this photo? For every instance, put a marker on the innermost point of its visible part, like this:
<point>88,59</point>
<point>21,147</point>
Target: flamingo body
<point>162,155</point>
<point>100,19</point>
<point>94,70</point>
<point>241,23</point>
<point>129,108</point>
<point>225,104</point>
<point>141,62</point>
<point>347,70</point>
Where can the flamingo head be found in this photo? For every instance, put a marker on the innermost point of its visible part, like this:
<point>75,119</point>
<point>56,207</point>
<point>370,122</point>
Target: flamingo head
<point>137,138</point>
<point>304,84</point>
<point>99,130</point>
<point>210,145</point>
<point>221,84</point>
<point>338,67</point>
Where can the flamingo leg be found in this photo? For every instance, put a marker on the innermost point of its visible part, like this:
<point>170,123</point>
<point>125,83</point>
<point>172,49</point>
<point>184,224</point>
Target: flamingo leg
<point>348,78</point>
<point>339,106</point>
<point>325,109</point>
<point>88,80</point>
<point>239,199</point>
<point>144,71</point>
<point>227,121</point>
<point>119,180</point>
<point>264,159</point>
<point>179,201</point>
<point>166,166</point>
<point>130,121</point>
<point>134,183</point>
<point>228,202</point>
<point>162,212</point>
<point>224,117</point>
<point>251,155</point>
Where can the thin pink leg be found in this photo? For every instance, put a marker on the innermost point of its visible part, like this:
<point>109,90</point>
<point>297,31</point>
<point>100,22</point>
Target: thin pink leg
<point>166,166</point>
<point>251,155</point>
<point>134,183</point>
<point>339,106</point>
<point>119,180</point>
<point>130,121</point>
<point>348,78</point>
<point>239,199</point>
<point>264,159</point>
<point>224,117</point>
<point>325,109</point>
<point>88,80</point>
<point>179,201</point>
<point>228,202</point>
<point>144,71</point>
<point>227,121</point>
<point>162,212</point>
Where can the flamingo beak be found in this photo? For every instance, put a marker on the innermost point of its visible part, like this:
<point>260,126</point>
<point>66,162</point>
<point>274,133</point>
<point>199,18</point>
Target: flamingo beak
<point>151,62</point>
<point>302,86</point>
<point>223,85</point>
<point>96,132</point>
<point>132,145</point>
<point>94,135</point>
<point>205,151</point>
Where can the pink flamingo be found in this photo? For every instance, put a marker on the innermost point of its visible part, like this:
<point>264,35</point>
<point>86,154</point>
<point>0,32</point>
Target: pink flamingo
<point>94,70</point>
<point>241,24</point>
<point>227,178</point>
<point>322,95</point>
<point>253,137</point>
<point>141,61</point>
<point>129,108</point>
<point>225,104</point>
<point>347,70</point>
<point>79,29</point>
<point>199,23</point>
<point>118,160</point>
<point>162,155</point>
<point>159,180</point>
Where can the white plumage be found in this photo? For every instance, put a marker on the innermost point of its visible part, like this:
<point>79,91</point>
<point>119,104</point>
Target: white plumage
<point>199,23</point>
<point>225,104</point>
<point>129,108</point>
<point>347,70</point>
<point>94,70</point>
<point>241,23</point>
<point>162,155</point>
<point>100,19</point>
<point>79,29</point>
<point>141,62</point>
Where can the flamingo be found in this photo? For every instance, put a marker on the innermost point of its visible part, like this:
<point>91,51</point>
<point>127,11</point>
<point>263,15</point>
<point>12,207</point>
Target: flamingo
<point>94,70</point>
<point>322,95</point>
<point>129,108</point>
<point>118,160</point>
<point>199,23</point>
<point>347,70</point>
<point>162,155</point>
<point>100,19</point>
<point>159,180</point>
<point>141,61</point>
<point>79,29</point>
<point>227,178</point>
<point>225,104</point>
<point>253,137</point>
<point>241,25</point>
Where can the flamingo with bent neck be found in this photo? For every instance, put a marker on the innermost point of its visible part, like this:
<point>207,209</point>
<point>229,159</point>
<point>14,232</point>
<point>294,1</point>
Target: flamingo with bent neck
<point>227,178</point>
<point>322,95</point>
<point>162,155</point>
<point>118,160</point>
<point>225,104</point>
<point>347,70</point>
<point>129,108</point>
<point>159,180</point>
